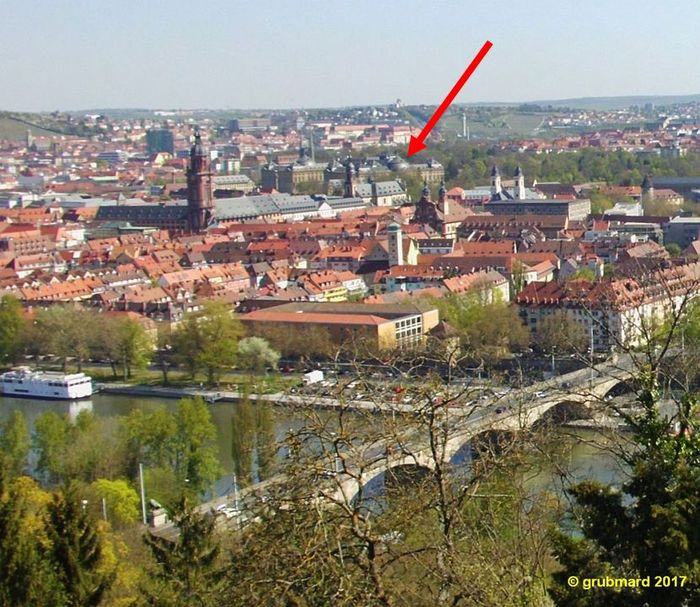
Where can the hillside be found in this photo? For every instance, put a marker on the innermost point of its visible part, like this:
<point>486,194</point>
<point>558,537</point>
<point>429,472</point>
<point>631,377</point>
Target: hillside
<point>13,129</point>
<point>14,125</point>
<point>616,103</point>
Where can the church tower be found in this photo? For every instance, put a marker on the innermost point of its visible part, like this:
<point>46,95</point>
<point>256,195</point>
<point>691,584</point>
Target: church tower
<point>519,189</point>
<point>395,244</point>
<point>496,188</point>
<point>199,181</point>
<point>349,187</point>
<point>443,203</point>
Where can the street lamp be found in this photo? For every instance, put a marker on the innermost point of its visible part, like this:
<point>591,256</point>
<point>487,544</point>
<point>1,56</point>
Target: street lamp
<point>84,504</point>
<point>553,366</point>
<point>143,494</point>
<point>592,349</point>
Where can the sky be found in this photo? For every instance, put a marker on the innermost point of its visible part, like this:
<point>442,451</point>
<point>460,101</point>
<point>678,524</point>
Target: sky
<point>72,54</point>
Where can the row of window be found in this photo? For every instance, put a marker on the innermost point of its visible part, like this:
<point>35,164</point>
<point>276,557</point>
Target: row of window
<point>410,322</point>
<point>60,384</point>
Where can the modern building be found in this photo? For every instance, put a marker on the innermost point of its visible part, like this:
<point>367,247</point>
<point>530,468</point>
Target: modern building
<point>160,140</point>
<point>378,326</point>
<point>249,125</point>
<point>682,231</point>
<point>114,157</point>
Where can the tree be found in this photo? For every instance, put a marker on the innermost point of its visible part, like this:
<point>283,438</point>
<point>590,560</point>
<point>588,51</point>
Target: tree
<point>256,354</point>
<point>76,550</point>
<point>133,346</point>
<point>600,203</point>
<point>188,343</point>
<point>150,438</point>
<point>12,329</point>
<point>15,442</point>
<point>163,350</point>
<point>674,250</point>
<point>309,187</point>
<point>50,440</point>
<point>243,441</point>
<point>220,331</point>
<point>121,500</point>
<point>122,341</point>
<point>661,208</point>
<point>178,449</point>
<point>196,463</point>
<point>300,342</point>
<point>560,333</point>
<point>188,572</point>
<point>67,332</point>
<point>86,449</point>
<point>488,331</point>
<point>26,576</point>
<point>209,340</point>
<point>584,273</point>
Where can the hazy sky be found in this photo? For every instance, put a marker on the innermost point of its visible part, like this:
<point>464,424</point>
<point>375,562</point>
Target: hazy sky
<point>71,54</point>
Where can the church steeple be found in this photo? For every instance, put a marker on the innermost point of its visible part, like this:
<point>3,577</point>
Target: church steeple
<point>199,182</point>
<point>425,193</point>
<point>519,189</point>
<point>496,188</point>
<point>443,203</point>
<point>349,189</point>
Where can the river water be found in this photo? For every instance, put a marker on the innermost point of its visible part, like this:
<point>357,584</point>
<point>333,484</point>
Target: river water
<point>241,427</point>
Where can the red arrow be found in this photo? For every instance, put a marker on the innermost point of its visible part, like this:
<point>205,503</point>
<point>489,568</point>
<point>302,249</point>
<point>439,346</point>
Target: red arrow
<point>416,144</point>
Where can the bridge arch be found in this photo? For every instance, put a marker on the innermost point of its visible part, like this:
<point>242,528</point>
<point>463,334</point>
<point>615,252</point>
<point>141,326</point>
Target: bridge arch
<point>373,482</point>
<point>492,442</point>
<point>561,412</point>
<point>619,387</point>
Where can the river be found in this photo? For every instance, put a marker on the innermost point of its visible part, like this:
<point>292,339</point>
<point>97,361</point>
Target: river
<point>241,427</point>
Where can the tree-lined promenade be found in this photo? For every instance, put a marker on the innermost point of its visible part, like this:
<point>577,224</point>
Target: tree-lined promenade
<point>211,341</point>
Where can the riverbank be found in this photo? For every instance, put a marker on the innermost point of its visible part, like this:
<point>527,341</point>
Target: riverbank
<point>279,398</point>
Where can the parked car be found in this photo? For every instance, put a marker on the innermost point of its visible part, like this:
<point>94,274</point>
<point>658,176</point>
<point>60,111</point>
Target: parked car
<point>228,511</point>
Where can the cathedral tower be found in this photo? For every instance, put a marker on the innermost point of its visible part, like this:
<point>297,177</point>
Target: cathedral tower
<point>199,192</point>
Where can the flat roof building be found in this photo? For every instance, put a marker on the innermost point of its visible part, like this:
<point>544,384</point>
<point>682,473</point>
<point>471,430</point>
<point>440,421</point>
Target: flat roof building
<point>380,326</point>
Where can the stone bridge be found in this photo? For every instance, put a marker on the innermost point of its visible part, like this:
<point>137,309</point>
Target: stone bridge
<point>501,416</point>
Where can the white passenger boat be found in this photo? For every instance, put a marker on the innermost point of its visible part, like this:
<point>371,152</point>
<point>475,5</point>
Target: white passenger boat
<point>24,382</point>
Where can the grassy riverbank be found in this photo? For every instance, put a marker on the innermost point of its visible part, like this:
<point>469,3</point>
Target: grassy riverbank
<point>241,382</point>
